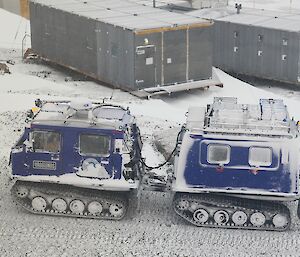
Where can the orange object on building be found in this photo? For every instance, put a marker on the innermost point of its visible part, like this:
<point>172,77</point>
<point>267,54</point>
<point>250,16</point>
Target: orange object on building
<point>24,8</point>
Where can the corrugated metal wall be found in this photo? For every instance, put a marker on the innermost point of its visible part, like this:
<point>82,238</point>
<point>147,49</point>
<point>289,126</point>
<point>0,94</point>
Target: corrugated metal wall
<point>256,51</point>
<point>200,53</point>
<point>117,55</point>
<point>180,56</point>
<point>99,50</point>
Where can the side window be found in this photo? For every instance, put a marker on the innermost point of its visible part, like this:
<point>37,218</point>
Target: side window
<point>218,154</point>
<point>98,145</point>
<point>260,156</point>
<point>46,141</point>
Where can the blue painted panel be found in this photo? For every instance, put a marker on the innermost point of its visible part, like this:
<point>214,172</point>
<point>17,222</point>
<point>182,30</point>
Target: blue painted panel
<point>17,158</point>
<point>199,173</point>
<point>69,158</point>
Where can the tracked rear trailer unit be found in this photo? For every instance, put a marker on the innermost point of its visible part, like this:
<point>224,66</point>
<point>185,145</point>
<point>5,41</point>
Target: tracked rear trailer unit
<point>237,163</point>
<point>122,43</point>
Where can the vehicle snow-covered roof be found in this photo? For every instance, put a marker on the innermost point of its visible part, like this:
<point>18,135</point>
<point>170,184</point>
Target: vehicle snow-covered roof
<point>96,115</point>
<point>124,13</point>
<point>269,118</point>
<point>254,17</point>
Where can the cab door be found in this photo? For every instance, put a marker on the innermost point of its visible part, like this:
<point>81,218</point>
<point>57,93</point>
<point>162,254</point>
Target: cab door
<point>43,152</point>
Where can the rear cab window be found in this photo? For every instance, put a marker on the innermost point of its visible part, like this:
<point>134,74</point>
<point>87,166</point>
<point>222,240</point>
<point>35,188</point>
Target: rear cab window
<point>260,156</point>
<point>94,145</point>
<point>218,154</point>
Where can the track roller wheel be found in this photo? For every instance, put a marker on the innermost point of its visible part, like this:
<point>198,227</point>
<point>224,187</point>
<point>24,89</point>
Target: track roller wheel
<point>221,217</point>
<point>239,218</point>
<point>201,216</point>
<point>116,210</point>
<point>183,204</point>
<point>280,220</point>
<point>59,205</point>
<point>95,208</point>
<point>77,206</point>
<point>22,192</point>
<point>39,204</point>
<point>257,219</point>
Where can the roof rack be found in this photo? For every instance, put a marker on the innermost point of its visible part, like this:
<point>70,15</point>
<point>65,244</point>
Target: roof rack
<point>270,118</point>
<point>85,112</point>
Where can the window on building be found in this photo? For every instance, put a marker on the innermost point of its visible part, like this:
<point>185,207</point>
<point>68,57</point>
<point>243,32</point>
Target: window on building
<point>259,53</point>
<point>235,49</point>
<point>260,38</point>
<point>260,156</point>
<point>235,34</point>
<point>97,145</point>
<point>284,42</point>
<point>218,154</point>
<point>46,141</point>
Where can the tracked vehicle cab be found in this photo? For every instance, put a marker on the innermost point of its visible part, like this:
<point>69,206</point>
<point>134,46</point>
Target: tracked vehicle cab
<point>79,144</point>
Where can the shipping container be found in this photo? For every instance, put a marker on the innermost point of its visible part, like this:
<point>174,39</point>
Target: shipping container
<point>258,43</point>
<point>125,44</point>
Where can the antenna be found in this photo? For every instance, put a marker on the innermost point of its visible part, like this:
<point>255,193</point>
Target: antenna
<point>238,8</point>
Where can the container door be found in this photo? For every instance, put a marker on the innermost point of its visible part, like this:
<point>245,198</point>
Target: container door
<point>145,67</point>
<point>175,57</point>
<point>43,153</point>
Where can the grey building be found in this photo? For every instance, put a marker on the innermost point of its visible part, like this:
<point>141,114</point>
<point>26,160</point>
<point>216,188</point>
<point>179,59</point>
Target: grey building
<point>122,43</point>
<point>258,43</point>
<point>11,5</point>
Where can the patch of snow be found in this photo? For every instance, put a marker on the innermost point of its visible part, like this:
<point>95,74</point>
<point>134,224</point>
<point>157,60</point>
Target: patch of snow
<point>13,28</point>
<point>91,168</point>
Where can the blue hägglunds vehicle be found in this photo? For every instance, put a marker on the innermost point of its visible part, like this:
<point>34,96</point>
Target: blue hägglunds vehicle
<point>77,159</point>
<point>236,164</point>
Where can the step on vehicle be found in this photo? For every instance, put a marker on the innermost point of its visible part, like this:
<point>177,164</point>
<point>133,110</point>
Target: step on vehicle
<point>77,159</point>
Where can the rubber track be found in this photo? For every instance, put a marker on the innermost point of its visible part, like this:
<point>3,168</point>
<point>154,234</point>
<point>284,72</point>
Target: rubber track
<point>214,202</point>
<point>52,191</point>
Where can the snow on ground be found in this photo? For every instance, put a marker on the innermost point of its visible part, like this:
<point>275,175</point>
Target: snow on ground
<point>12,30</point>
<point>153,231</point>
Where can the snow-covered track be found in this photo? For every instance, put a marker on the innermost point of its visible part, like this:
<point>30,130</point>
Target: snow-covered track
<point>69,201</point>
<point>219,211</point>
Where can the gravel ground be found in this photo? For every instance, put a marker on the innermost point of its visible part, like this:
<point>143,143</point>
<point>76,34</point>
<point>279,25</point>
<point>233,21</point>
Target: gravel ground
<point>154,230</point>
